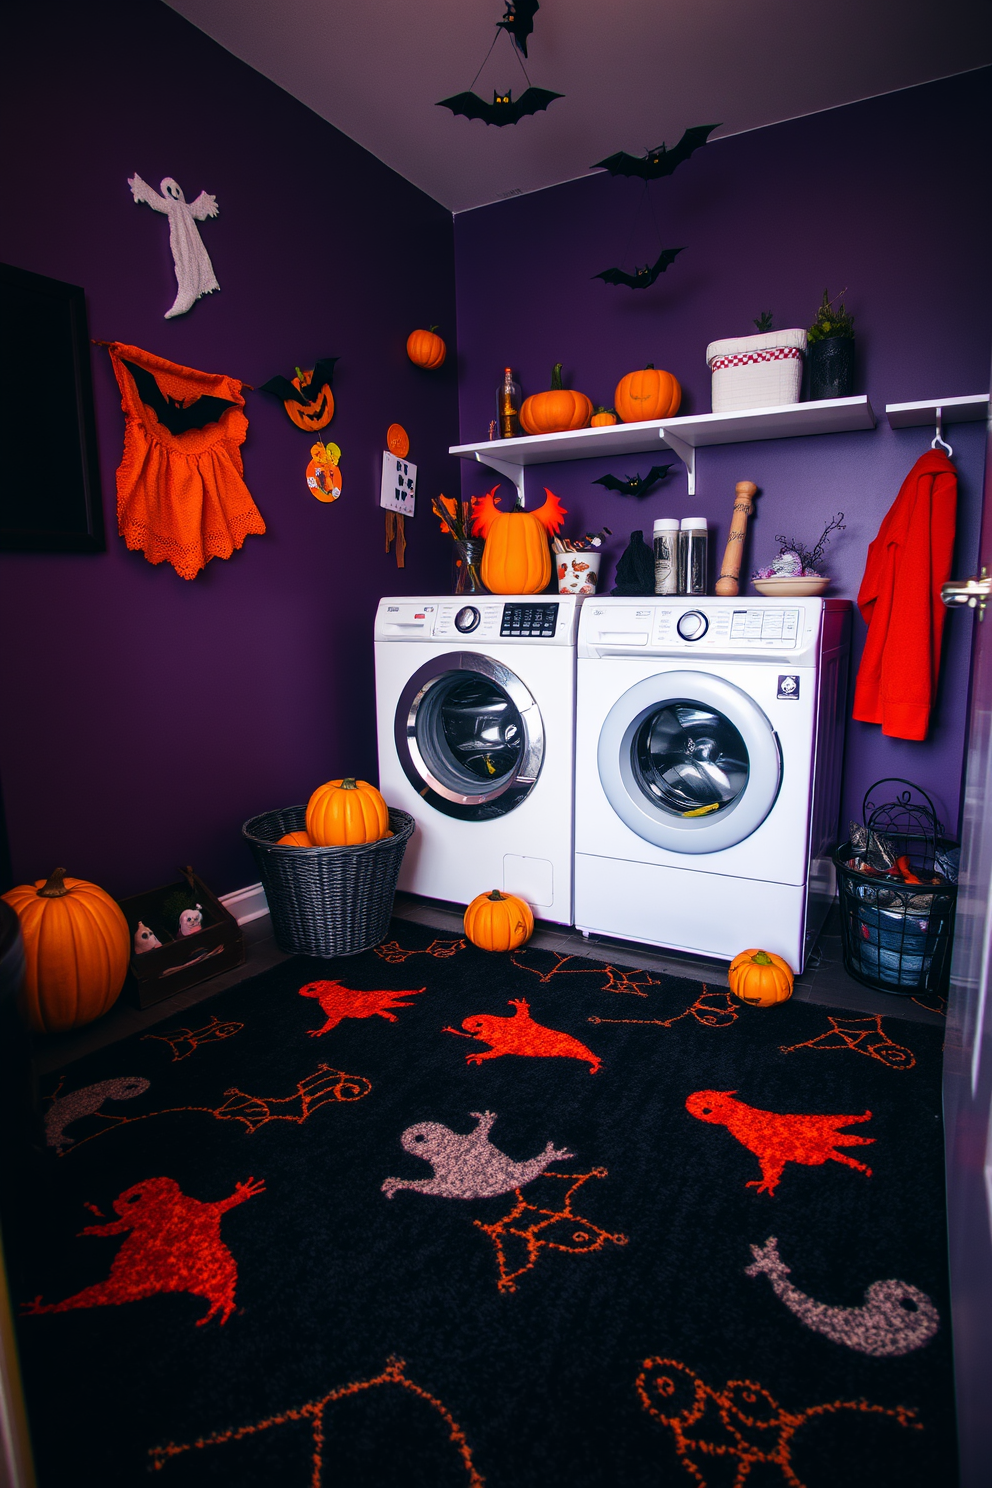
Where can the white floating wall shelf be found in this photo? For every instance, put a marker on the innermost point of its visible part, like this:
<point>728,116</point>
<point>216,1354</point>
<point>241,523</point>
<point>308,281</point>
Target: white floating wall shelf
<point>683,436</point>
<point>930,410</point>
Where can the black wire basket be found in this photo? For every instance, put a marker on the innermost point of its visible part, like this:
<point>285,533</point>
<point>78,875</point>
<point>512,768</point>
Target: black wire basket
<point>897,935</point>
<point>327,901</point>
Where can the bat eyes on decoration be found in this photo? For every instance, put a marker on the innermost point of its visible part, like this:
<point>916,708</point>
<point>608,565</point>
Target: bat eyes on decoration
<point>517,24</point>
<point>635,485</point>
<point>659,162</point>
<point>504,109</point>
<point>176,417</point>
<point>641,278</point>
<point>307,398</point>
<point>519,21</point>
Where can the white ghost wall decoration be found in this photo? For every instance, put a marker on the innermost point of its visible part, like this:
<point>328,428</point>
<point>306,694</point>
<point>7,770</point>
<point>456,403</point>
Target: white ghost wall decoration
<point>194,271</point>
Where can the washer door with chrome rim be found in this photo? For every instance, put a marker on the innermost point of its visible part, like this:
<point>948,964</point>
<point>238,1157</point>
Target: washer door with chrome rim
<point>689,762</point>
<point>469,736</point>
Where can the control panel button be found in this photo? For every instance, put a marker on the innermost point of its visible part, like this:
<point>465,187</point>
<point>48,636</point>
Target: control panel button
<point>467,619</point>
<point>693,625</point>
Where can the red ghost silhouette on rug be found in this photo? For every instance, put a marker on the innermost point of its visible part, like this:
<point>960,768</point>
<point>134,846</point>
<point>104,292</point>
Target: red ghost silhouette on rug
<point>340,1002</point>
<point>174,1246</point>
<point>519,1034</point>
<point>776,1139</point>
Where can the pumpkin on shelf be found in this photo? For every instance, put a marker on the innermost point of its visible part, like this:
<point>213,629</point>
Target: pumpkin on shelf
<point>555,411</point>
<point>602,418</point>
<point>498,922</point>
<point>77,946</point>
<point>760,978</point>
<point>647,394</point>
<point>426,349</point>
<point>295,839</point>
<point>345,813</point>
<point>516,558</point>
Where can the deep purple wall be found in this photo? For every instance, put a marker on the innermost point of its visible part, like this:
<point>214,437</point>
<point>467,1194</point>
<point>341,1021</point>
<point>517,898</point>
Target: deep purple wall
<point>887,198</point>
<point>144,717</point>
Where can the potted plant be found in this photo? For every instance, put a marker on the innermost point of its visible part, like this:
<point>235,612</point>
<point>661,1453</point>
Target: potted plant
<point>831,351</point>
<point>762,371</point>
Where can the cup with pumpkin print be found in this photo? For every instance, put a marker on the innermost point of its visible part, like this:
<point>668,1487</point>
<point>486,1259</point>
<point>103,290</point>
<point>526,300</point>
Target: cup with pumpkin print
<point>578,573</point>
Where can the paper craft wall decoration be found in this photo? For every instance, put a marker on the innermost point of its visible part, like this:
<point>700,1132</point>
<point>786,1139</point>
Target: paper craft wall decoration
<point>323,472</point>
<point>194,271</point>
<point>181,496</point>
<point>398,491</point>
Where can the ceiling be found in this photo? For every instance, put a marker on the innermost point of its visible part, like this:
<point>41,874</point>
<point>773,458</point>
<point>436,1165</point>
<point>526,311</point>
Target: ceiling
<point>633,73</point>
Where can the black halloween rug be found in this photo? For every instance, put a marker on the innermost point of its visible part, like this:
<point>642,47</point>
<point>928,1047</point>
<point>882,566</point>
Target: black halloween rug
<point>435,1218</point>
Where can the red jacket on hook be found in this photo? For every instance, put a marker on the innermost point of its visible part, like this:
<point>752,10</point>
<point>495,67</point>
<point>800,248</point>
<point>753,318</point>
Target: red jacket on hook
<point>900,602</point>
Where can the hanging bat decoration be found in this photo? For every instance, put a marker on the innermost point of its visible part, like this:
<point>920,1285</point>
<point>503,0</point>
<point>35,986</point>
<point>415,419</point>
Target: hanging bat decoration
<point>504,109</point>
<point>519,21</point>
<point>634,485</point>
<point>175,417</point>
<point>307,397</point>
<point>642,278</point>
<point>659,162</point>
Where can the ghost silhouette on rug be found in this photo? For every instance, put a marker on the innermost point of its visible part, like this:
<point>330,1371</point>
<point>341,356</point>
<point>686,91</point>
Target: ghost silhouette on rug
<point>467,1166</point>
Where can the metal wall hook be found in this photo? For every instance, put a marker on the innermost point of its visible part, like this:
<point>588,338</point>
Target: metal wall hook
<point>938,439</point>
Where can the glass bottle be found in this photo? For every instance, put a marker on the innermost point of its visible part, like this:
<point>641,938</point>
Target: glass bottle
<point>666,555</point>
<point>508,407</point>
<point>693,544</point>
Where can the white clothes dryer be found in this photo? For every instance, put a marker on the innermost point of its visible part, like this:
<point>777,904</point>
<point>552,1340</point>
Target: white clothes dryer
<point>475,700</point>
<point>709,739</point>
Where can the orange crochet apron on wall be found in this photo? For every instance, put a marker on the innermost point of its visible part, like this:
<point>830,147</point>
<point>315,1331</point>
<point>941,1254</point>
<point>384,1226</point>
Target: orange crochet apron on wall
<point>181,496</point>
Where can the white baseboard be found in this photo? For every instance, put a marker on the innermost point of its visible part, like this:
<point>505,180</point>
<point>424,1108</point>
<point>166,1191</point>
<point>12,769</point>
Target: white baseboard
<point>246,904</point>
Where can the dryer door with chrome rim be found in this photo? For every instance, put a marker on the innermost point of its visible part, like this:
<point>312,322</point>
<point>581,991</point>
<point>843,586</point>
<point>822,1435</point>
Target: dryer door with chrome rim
<point>689,762</point>
<point>469,736</point>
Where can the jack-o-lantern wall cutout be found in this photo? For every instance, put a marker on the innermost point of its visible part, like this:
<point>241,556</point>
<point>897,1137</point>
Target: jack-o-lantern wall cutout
<point>323,472</point>
<point>307,398</point>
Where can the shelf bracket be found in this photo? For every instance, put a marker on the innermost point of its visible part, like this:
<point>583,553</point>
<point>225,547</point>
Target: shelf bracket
<point>513,472</point>
<point>685,452</point>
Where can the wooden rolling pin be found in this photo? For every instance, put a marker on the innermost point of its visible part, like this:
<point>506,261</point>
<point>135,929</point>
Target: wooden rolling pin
<point>730,572</point>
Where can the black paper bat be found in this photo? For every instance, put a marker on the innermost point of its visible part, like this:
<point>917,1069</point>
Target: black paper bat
<point>504,109</point>
<point>171,413</point>
<point>519,21</point>
<point>659,162</point>
<point>635,485</point>
<point>283,389</point>
<point>641,278</point>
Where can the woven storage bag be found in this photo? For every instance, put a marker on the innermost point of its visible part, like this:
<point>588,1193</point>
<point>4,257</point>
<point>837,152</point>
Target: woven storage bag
<point>756,371</point>
<point>327,901</point>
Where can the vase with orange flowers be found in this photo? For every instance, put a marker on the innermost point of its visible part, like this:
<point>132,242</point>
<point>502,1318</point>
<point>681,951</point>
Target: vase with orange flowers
<point>456,519</point>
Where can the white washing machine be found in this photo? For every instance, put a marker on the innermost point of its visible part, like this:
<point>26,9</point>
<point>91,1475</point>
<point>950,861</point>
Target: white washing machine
<point>475,699</point>
<point>709,735</point>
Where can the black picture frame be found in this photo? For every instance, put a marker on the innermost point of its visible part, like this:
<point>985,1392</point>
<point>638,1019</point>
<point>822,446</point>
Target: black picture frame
<point>50,499</point>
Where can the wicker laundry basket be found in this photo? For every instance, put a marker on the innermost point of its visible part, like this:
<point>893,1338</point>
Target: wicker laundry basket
<point>763,371</point>
<point>327,901</point>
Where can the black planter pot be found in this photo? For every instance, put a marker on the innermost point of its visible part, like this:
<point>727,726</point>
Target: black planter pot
<point>831,368</point>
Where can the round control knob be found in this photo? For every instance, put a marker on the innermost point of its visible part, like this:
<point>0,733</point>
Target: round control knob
<point>693,625</point>
<point>467,619</point>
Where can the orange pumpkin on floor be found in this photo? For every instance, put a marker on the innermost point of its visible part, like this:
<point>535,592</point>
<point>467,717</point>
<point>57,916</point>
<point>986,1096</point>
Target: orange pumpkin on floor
<point>498,922</point>
<point>343,813</point>
<point>425,349</point>
<point>556,410</point>
<point>516,558</point>
<point>295,839</point>
<point>648,394</point>
<point>76,945</point>
<point>760,978</point>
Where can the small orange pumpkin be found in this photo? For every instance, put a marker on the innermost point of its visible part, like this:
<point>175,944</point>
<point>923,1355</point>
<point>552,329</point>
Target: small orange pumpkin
<point>760,978</point>
<point>77,946</point>
<point>516,558</point>
<point>344,812</point>
<point>425,349</point>
<point>602,418</point>
<point>498,922</point>
<point>318,411</point>
<point>556,410</point>
<point>648,394</point>
<point>295,839</point>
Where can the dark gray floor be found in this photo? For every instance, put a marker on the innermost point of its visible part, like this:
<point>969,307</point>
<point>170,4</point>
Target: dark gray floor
<point>824,980</point>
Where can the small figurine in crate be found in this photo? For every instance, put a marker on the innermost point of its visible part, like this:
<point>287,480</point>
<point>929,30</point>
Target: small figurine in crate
<point>145,940</point>
<point>191,920</point>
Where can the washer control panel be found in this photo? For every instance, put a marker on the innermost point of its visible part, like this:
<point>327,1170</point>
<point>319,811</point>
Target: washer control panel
<point>673,626</point>
<point>481,619</point>
<point>692,626</point>
<point>529,620</point>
